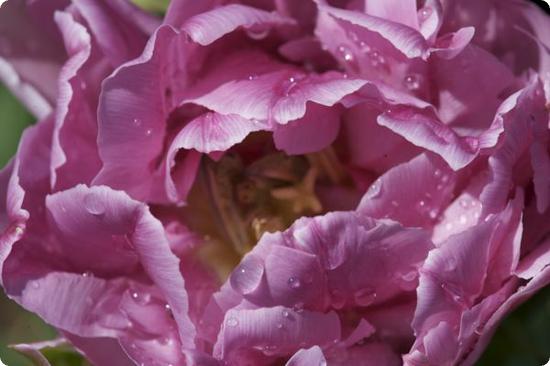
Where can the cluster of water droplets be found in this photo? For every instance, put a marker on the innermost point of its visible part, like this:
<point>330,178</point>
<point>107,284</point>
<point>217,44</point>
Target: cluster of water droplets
<point>138,122</point>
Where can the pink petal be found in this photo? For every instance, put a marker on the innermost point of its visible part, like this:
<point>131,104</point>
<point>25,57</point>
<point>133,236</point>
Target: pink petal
<point>100,351</point>
<point>314,132</point>
<point>30,52</point>
<point>424,130</point>
<point>307,357</point>
<point>397,11</point>
<point>215,132</point>
<point>114,28</point>
<point>209,26</point>
<point>326,90</point>
<point>406,40</point>
<point>244,329</point>
<point>99,209</point>
<point>132,134</point>
<point>74,152</point>
<point>431,184</point>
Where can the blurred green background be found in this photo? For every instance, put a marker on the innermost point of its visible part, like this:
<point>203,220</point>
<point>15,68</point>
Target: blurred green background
<point>523,339</point>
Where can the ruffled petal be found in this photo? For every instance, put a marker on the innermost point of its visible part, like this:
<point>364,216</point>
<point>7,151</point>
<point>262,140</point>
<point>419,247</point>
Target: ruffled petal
<point>307,357</point>
<point>216,132</point>
<point>259,329</point>
<point>209,26</point>
<point>74,152</point>
<point>115,29</point>
<point>128,123</point>
<point>103,212</point>
<point>424,130</point>
<point>431,184</point>
<point>31,53</point>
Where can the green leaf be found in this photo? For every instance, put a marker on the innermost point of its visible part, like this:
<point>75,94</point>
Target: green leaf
<point>14,119</point>
<point>154,6</point>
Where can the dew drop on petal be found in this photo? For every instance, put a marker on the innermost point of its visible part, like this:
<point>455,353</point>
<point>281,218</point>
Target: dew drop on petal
<point>137,122</point>
<point>374,190</point>
<point>424,13</point>
<point>412,81</point>
<point>294,283</point>
<point>257,33</point>
<point>148,132</point>
<point>141,298</point>
<point>248,275</point>
<point>232,322</point>
<point>93,204</point>
<point>365,296</point>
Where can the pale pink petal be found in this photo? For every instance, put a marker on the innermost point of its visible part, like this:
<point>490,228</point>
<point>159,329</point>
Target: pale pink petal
<point>244,329</point>
<point>31,52</point>
<point>207,27</point>
<point>216,132</point>
<point>431,184</point>
<point>403,12</point>
<point>307,357</point>
<point>425,130</point>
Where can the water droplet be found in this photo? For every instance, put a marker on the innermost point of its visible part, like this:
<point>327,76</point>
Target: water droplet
<point>279,325</point>
<point>395,203</point>
<point>345,53</point>
<point>413,81</point>
<point>93,204</point>
<point>294,283</point>
<point>35,285</point>
<point>141,298</point>
<point>365,296</point>
<point>463,219</point>
<point>252,77</point>
<point>87,274</point>
<point>137,122</point>
<point>83,85</point>
<point>424,13</point>
<point>437,173</point>
<point>148,132</point>
<point>376,59</point>
<point>286,313</point>
<point>374,189</point>
<point>290,84</point>
<point>464,203</point>
<point>248,275</point>
<point>232,322</point>
<point>167,307</point>
<point>433,214</point>
<point>257,33</point>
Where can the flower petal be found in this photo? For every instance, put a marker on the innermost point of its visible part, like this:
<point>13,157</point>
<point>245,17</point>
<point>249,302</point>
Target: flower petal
<point>207,27</point>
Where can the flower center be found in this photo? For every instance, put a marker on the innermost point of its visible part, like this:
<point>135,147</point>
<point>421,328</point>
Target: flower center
<point>235,201</point>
